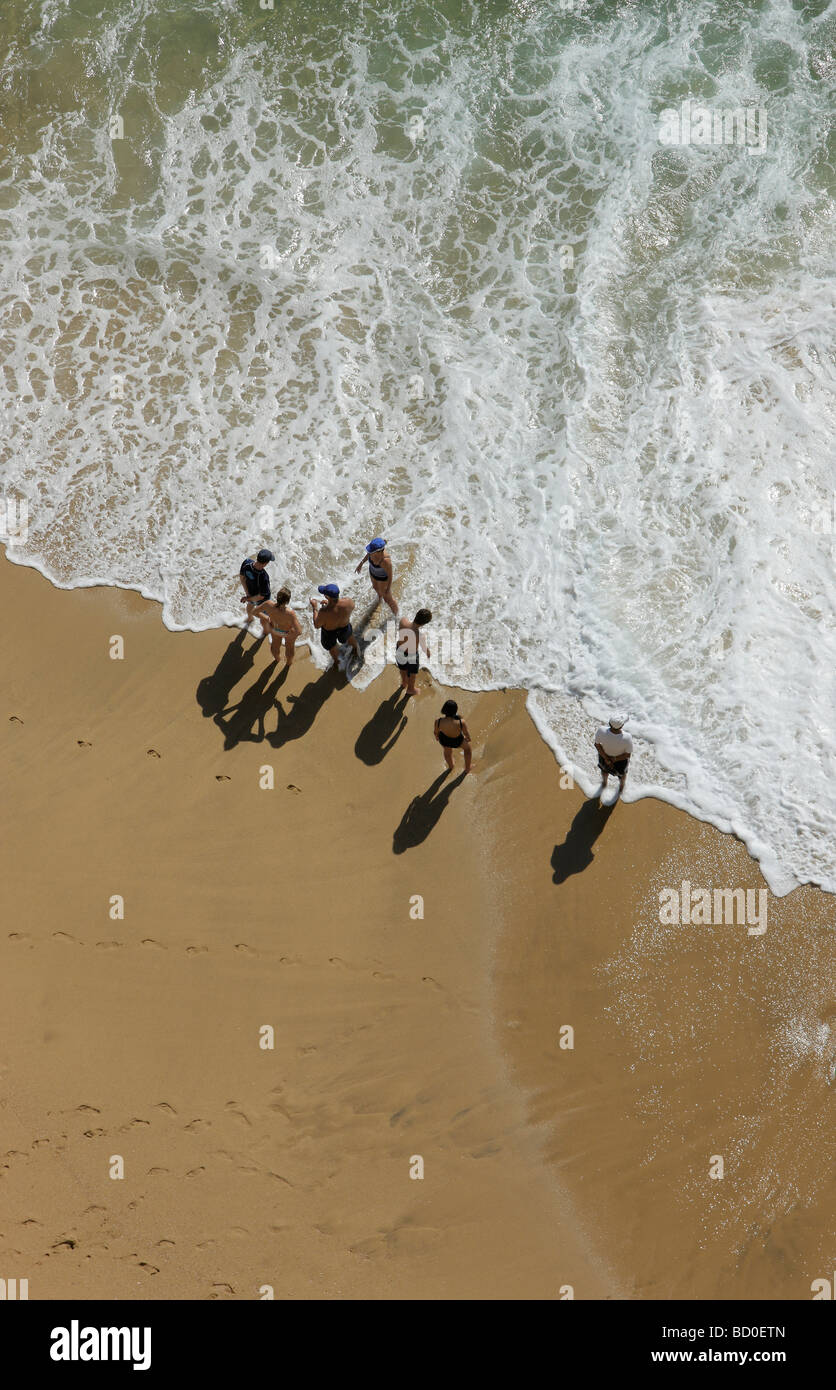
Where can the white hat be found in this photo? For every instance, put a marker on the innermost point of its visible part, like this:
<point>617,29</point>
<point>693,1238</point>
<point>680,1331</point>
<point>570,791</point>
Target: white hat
<point>617,721</point>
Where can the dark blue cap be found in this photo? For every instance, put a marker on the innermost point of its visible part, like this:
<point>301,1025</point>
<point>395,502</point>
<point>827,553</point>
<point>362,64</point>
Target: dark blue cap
<point>330,589</point>
<point>377,544</point>
<point>265,556</point>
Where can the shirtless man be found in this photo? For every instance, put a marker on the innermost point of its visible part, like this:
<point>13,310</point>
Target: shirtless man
<point>380,571</point>
<point>407,649</point>
<point>333,620</point>
<point>281,624</point>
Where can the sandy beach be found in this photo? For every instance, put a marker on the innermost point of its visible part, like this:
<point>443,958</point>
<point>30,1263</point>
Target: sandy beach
<point>416,945</point>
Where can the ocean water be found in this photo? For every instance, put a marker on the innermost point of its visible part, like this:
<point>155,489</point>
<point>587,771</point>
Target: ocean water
<point>307,274</point>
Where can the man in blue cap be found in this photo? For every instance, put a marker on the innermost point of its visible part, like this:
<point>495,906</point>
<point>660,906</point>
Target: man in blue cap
<point>380,571</point>
<point>255,581</point>
<point>332,619</point>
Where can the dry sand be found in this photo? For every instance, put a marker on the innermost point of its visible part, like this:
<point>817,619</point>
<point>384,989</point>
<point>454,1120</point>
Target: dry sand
<point>395,1035</point>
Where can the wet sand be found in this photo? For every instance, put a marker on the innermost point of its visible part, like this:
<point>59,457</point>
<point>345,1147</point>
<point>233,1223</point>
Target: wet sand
<point>395,1035</point>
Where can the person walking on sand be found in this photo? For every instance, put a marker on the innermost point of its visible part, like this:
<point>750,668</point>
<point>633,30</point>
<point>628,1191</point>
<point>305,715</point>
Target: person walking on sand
<point>407,653</point>
<point>280,624</point>
<point>332,619</point>
<point>255,581</point>
<point>451,732</point>
<point>380,571</point>
<point>614,751</point>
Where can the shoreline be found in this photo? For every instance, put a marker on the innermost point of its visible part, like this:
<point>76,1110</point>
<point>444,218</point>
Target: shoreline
<point>395,1036</point>
<point>635,793</point>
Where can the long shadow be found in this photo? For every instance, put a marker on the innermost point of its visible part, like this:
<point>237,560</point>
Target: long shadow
<point>382,731</point>
<point>575,854</point>
<point>213,691</point>
<point>244,722</point>
<point>423,814</point>
<point>304,708</point>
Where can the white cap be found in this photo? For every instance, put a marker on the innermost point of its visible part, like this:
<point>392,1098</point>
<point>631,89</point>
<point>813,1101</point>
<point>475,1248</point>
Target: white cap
<point>617,721</point>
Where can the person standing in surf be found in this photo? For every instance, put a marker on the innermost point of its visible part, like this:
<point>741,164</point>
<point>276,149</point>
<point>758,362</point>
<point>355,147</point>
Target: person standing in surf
<point>280,624</point>
<point>255,581</point>
<point>451,732</point>
<point>614,752</point>
<point>407,653</point>
<point>332,620</point>
<point>380,571</point>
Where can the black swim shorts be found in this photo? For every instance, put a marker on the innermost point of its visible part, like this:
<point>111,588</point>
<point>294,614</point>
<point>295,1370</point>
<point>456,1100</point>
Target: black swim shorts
<point>337,634</point>
<point>616,766</point>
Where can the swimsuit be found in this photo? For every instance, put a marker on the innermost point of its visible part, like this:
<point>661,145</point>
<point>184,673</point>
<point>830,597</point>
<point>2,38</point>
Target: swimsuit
<point>376,572</point>
<point>614,765</point>
<point>449,741</point>
<point>406,660</point>
<point>336,634</point>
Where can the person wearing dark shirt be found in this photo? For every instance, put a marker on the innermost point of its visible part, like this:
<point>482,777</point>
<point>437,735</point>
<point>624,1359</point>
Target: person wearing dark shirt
<point>255,581</point>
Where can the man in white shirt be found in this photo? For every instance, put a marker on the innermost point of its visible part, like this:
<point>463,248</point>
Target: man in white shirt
<point>614,749</point>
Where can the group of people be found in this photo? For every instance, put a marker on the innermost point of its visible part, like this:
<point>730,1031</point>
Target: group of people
<point>332,620</point>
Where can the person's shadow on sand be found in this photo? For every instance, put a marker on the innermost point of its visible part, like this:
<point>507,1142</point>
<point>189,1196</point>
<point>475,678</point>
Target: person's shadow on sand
<point>382,731</point>
<point>423,813</point>
<point>575,854</point>
<point>304,708</point>
<point>244,722</point>
<point>213,691</point>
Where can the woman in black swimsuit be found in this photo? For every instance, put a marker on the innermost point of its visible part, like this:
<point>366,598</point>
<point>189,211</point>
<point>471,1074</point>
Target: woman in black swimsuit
<point>451,732</point>
<point>380,571</point>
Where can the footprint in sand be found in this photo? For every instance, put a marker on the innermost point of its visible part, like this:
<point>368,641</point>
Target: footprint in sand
<point>164,1105</point>
<point>196,950</point>
<point>92,1108</point>
<point>166,1242</point>
<point>152,753</point>
<point>154,1171</point>
<point>19,936</point>
<point>195,1125</point>
<point>245,949</point>
<point>15,719</point>
<point>149,941</point>
<point>193,1172</point>
<point>220,777</point>
<point>291,787</point>
<point>381,975</point>
<point>60,1244</point>
<point>64,936</point>
<point>82,744</point>
<point>93,1133</point>
<point>108,945</point>
<point>232,1107</point>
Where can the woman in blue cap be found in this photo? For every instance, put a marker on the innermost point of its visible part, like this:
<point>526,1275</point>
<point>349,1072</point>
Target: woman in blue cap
<point>380,571</point>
